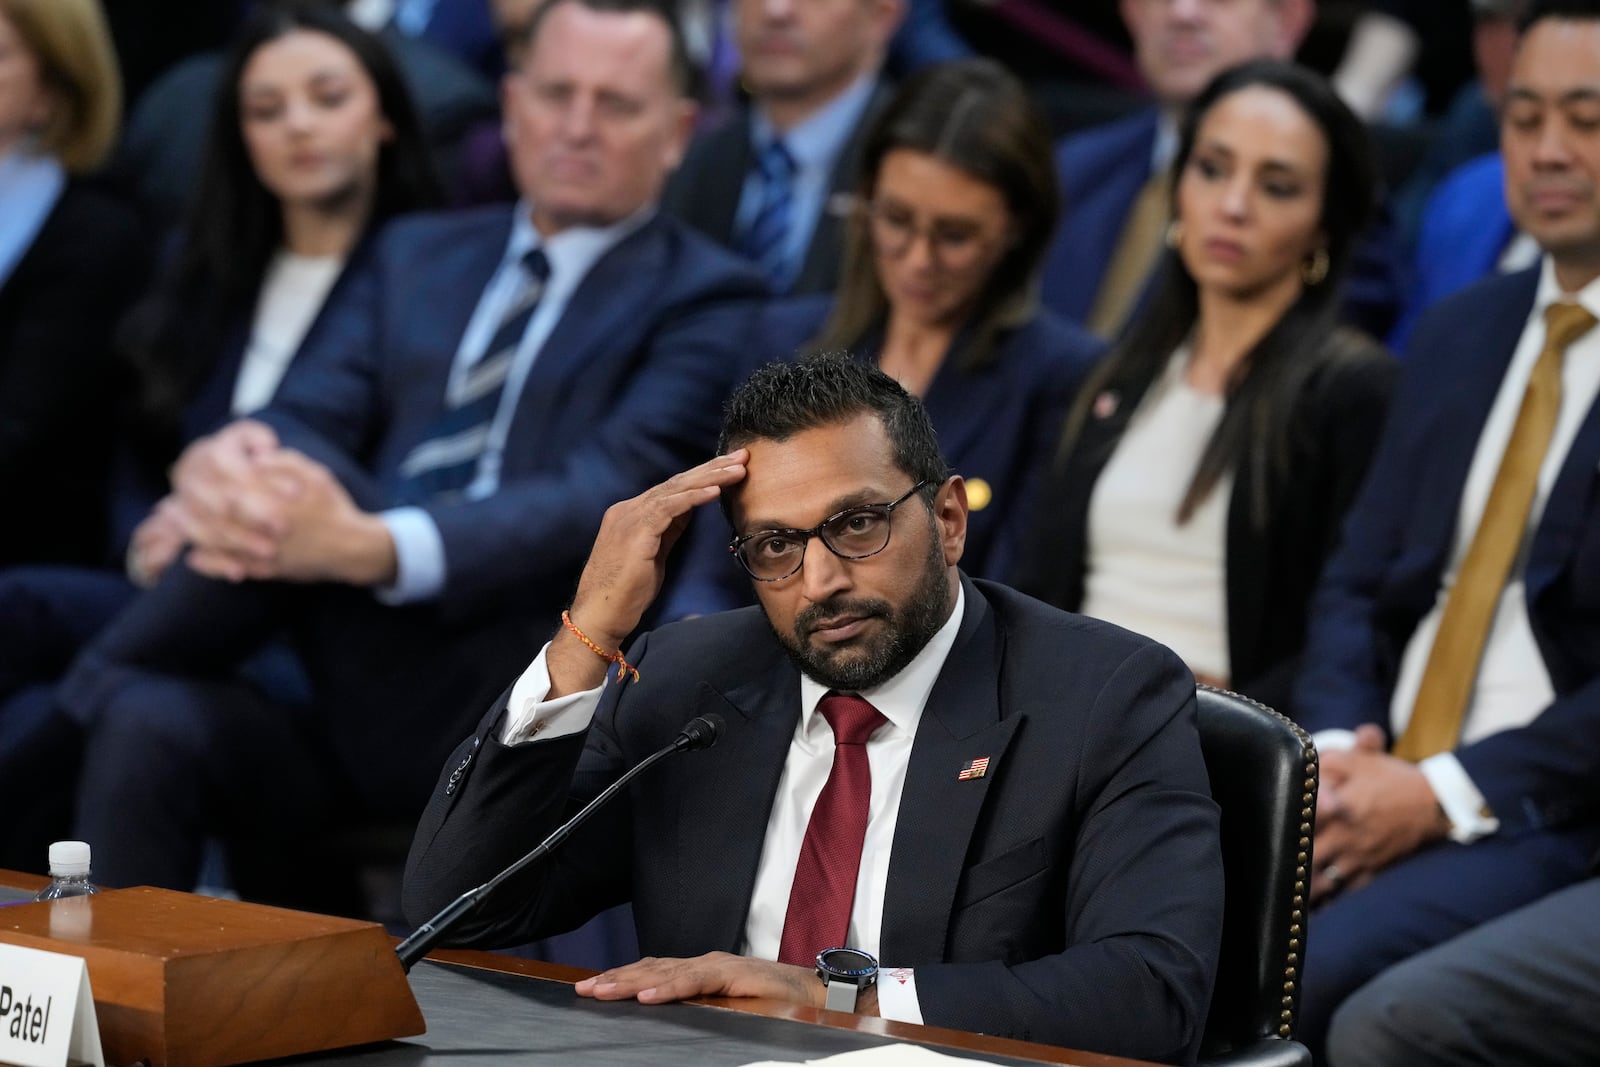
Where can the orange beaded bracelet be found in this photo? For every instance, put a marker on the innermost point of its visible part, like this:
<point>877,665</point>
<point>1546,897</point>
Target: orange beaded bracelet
<point>610,657</point>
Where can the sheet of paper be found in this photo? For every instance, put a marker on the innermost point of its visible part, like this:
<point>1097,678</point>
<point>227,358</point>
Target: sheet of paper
<point>882,1056</point>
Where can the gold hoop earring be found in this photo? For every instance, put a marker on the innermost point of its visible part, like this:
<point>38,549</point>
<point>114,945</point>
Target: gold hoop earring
<point>1174,235</point>
<point>1315,269</point>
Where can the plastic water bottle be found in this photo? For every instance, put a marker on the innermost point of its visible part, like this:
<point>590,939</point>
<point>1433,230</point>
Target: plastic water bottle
<point>69,872</point>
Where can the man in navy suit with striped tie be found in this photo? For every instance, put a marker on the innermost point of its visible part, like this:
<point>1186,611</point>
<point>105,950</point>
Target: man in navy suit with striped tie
<point>414,507</point>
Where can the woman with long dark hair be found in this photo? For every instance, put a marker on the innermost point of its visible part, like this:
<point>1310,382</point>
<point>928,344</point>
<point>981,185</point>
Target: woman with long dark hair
<point>1208,460</point>
<point>955,200</point>
<point>313,144</point>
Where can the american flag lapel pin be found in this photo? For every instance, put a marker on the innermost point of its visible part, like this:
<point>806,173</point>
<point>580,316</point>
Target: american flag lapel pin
<point>973,769</point>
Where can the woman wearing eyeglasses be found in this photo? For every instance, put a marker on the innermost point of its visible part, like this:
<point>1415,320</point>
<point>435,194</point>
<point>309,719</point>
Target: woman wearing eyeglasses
<point>1208,461</point>
<point>956,200</point>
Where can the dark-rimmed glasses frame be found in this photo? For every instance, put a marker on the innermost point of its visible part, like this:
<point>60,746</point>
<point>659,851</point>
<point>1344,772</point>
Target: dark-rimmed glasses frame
<point>824,531</point>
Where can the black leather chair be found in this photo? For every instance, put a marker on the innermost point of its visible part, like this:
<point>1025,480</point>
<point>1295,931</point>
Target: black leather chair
<point>1263,772</point>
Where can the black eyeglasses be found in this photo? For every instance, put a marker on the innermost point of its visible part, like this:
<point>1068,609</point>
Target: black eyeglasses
<point>854,533</point>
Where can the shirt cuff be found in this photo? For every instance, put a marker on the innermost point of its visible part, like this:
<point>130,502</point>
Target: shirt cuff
<point>1465,807</point>
<point>530,715</point>
<point>1334,740</point>
<point>897,995</point>
<point>419,557</point>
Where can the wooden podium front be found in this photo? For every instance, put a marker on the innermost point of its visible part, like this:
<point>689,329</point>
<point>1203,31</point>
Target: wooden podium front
<point>189,981</point>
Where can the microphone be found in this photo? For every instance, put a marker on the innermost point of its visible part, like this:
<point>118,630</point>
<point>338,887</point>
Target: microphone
<point>700,732</point>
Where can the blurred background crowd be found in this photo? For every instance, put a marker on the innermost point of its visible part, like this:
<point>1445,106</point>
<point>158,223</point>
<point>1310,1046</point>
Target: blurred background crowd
<point>328,331</point>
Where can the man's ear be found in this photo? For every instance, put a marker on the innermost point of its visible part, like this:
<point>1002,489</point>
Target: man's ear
<point>950,517</point>
<point>682,132</point>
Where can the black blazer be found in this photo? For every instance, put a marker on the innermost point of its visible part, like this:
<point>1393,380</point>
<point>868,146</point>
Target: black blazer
<point>1071,895</point>
<point>704,192</point>
<point>58,311</point>
<point>1272,570</point>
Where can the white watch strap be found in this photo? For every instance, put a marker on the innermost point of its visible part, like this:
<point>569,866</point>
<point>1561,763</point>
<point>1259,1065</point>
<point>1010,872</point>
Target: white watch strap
<point>841,995</point>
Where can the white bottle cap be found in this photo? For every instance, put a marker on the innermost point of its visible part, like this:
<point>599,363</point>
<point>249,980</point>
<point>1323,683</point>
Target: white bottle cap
<point>69,858</point>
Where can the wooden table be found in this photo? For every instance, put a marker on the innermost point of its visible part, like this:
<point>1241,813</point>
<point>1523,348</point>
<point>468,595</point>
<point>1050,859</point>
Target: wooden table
<point>487,1010</point>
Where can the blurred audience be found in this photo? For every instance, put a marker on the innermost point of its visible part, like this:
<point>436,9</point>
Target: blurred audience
<point>773,184</point>
<point>1453,668</point>
<point>70,259</point>
<point>413,505</point>
<point>939,287</point>
<point>313,143</point>
<point>1208,461</point>
<point>1464,231</point>
<point>1114,176</point>
<point>165,141</point>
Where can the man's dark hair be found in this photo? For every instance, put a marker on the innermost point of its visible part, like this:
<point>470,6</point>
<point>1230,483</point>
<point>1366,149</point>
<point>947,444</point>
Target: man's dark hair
<point>786,398</point>
<point>1538,10</point>
<point>679,64</point>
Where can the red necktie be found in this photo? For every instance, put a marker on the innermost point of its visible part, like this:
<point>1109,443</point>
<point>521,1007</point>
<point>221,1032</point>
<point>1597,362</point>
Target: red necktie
<point>824,888</point>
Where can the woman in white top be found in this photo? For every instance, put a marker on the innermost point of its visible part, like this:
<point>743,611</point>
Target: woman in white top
<point>1208,460</point>
<point>313,143</point>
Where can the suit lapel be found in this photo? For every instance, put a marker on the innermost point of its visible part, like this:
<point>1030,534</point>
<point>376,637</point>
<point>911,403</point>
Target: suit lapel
<point>819,266</point>
<point>1490,348</point>
<point>712,205</point>
<point>938,811</point>
<point>963,403</point>
<point>1568,508</point>
<point>601,311</point>
<point>761,716</point>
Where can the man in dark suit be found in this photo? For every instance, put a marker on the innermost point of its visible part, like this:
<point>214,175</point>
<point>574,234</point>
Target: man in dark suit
<point>1461,618</point>
<point>412,507</point>
<point>774,184</point>
<point>1008,840</point>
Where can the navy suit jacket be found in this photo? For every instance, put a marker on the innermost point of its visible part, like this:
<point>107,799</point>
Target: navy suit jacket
<point>1102,169</point>
<point>1386,576</point>
<point>626,391</point>
<point>1466,228</point>
<point>997,425</point>
<point>704,192</point>
<point>1042,901</point>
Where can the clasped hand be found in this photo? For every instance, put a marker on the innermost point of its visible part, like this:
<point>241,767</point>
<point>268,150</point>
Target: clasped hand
<point>250,508</point>
<point>1372,810</point>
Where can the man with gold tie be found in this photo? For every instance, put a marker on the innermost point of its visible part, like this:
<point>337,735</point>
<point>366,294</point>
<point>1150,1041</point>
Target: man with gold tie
<point>1453,673</point>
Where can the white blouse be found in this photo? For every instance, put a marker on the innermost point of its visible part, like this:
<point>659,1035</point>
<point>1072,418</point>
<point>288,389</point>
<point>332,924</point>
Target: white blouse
<point>292,293</point>
<point>1145,571</point>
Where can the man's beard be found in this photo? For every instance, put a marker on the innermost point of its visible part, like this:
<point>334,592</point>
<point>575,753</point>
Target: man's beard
<point>873,658</point>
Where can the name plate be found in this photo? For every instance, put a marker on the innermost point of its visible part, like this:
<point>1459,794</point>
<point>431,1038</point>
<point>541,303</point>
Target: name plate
<point>46,1010</point>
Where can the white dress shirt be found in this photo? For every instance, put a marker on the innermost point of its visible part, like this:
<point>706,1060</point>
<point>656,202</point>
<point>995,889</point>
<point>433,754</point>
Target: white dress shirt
<point>900,700</point>
<point>1513,686</point>
<point>419,550</point>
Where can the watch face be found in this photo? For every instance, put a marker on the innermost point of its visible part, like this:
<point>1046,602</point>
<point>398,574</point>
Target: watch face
<point>846,962</point>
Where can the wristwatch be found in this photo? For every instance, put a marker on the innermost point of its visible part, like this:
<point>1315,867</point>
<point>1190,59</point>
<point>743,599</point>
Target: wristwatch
<point>845,972</point>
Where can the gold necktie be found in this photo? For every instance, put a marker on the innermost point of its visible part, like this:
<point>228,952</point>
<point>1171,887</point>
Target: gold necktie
<point>1452,669</point>
<point>1137,247</point>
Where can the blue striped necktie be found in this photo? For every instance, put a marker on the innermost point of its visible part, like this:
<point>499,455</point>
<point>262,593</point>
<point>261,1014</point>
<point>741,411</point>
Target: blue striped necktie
<point>765,240</point>
<point>446,461</point>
